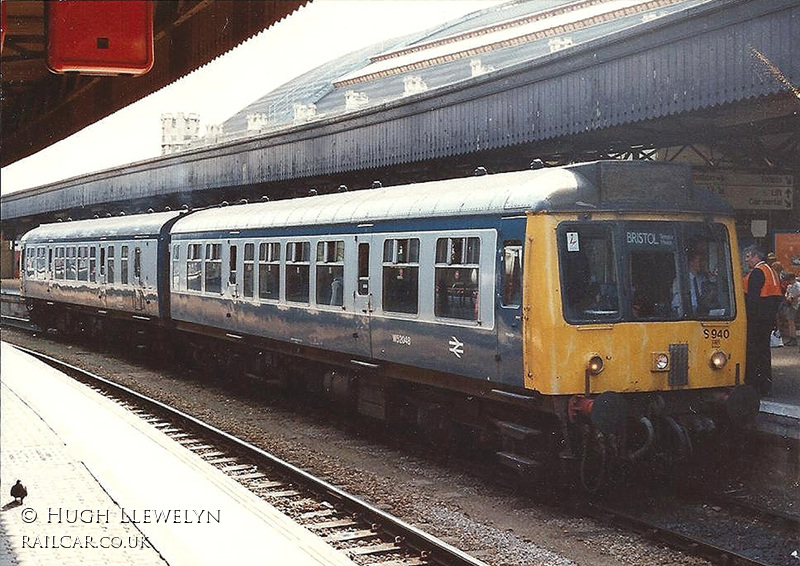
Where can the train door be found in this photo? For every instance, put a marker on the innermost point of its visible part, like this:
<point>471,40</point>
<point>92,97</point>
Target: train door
<point>137,280</point>
<point>362,296</point>
<point>509,301</point>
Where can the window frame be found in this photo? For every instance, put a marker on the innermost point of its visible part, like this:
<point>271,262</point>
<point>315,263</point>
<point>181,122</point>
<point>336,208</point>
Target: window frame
<point>330,258</point>
<point>248,270</point>
<point>268,261</point>
<point>395,260</point>
<point>194,267</point>
<point>457,296</point>
<point>212,268</point>
<point>124,265</point>
<point>302,275</point>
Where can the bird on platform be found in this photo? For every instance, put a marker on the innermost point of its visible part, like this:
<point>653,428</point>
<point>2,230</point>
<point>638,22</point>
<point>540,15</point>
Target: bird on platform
<point>18,491</point>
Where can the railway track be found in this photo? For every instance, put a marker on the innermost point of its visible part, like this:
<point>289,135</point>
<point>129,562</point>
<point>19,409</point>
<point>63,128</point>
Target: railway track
<point>368,535</point>
<point>717,527</point>
<point>742,534</point>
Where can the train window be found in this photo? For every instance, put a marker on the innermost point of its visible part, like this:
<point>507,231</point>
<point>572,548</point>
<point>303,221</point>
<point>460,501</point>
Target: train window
<point>401,275</point>
<point>83,263</point>
<point>123,265</point>
<point>297,271</point>
<point>110,275</point>
<point>269,270</point>
<point>29,259</point>
<point>176,266</point>
<point>702,287</point>
<point>49,263</point>
<point>93,264</point>
<point>137,265</point>
<point>72,263</point>
<point>457,277</point>
<point>330,272</point>
<point>37,262</point>
<point>667,271</point>
<point>248,270</point>
<point>512,274</point>
<point>589,272</point>
<point>213,268</point>
<point>232,261</point>
<point>59,269</point>
<point>363,269</point>
<point>41,263</point>
<point>194,267</point>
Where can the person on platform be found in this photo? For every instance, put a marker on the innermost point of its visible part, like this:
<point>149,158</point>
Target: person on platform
<point>792,307</point>
<point>762,297</point>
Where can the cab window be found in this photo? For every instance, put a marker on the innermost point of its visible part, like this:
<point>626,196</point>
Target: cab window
<point>589,273</point>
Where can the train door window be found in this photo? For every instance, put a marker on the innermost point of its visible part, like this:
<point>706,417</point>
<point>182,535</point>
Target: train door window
<point>92,264</point>
<point>194,268</point>
<point>102,263</point>
<point>123,266</point>
<point>110,275</point>
<point>269,270</point>
<point>72,263</point>
<point>588,272</point>
<point>29,261</point>
<point>176,266</point>
<point>401,275</point>
<point>83,263</point>
<point>32,261</point>
<point>137,265</point>
<point>213,268</point>
<point>330,272</point>
<point>49,263</point>
<point>232,261</point>
<point>41,263</point>
<point>59,264</point>
<point>457,276</point>
<point>297,271</point>
<point>511,279</point>
<point>248,268</point>
<point>363,269</point>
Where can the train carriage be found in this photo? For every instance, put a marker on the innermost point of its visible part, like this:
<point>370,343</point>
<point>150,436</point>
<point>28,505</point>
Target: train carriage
<point>514,304</point>
<point>77,274</point>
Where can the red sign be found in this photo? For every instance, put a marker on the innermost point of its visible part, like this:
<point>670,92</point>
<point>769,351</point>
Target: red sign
<point>100,37</point>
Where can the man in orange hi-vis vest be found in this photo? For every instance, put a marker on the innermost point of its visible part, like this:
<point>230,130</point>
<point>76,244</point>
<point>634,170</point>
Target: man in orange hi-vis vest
<point>762,297</point>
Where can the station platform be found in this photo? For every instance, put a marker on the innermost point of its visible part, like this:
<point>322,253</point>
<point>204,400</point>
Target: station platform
<point>104,487</point>
<point>780,410</point>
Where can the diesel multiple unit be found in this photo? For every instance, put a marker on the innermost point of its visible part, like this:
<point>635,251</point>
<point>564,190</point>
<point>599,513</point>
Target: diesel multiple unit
<point>548,313</point>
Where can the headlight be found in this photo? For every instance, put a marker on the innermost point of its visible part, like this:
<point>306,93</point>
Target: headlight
<point>660,361</point>
<point>595,365</point>
<point>718,360</point>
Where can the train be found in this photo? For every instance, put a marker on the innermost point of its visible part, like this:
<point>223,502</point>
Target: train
<point>547,314</point>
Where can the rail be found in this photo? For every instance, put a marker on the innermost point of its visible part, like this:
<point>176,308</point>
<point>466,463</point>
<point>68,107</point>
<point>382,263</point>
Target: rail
<point>345,518</point>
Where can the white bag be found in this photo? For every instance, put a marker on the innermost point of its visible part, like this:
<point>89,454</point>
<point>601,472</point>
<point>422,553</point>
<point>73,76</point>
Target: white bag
<point>775,340</point>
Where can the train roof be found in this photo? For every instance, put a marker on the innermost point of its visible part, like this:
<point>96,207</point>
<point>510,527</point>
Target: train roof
<point>139,225</point>
<point>601,185</point>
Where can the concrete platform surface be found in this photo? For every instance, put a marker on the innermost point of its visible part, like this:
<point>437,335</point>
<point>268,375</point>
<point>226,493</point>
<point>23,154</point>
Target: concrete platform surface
<point>104,487</point>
